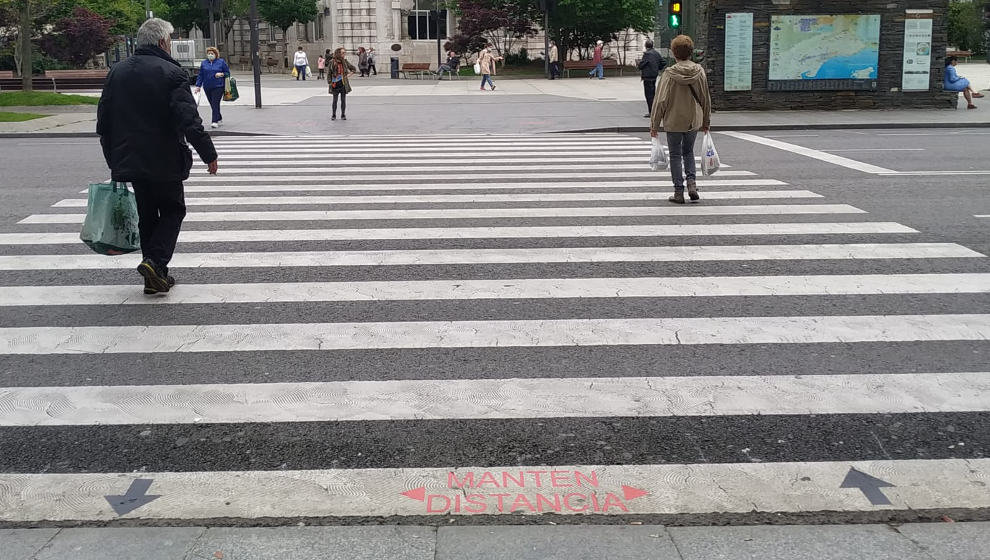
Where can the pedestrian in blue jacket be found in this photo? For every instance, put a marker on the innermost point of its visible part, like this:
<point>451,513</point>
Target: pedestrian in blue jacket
<point>213,73</point>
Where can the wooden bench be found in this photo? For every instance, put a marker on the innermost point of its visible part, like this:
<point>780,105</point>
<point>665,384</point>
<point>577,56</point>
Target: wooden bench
<point>6,74</point>
<point>77,79</point>
<point>607,64</point>
<point>965,55</point>
<point>37,83</point>
<point>418,69</point>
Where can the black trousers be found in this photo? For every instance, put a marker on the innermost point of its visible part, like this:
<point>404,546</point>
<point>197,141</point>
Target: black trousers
<point>650,89</point>
<point>554,70</point>
<point>161,209</point>
<point>339,92</point>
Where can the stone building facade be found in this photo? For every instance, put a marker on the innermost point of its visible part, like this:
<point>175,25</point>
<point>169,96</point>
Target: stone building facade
<point>379,24</point>
<point>887,93</point>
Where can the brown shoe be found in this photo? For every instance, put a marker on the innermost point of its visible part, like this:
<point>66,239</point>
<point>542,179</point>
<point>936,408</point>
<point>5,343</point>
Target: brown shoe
<point>692,188</point>
<point>678,197</point>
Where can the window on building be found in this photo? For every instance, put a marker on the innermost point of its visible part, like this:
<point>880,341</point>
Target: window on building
<point>424,22</point>
<point>319,28</point>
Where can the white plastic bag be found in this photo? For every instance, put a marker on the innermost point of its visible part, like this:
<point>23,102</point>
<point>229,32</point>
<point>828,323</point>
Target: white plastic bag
<point>658,156</point>
<point>477,68</point>
<point>709,157</point>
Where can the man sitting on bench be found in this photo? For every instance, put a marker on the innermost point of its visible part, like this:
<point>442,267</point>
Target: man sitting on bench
<point>452,64</point>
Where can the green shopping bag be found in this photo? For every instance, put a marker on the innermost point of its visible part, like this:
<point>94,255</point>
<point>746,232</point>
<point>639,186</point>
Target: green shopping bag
<point>111,224</point>
<point>230,89</point>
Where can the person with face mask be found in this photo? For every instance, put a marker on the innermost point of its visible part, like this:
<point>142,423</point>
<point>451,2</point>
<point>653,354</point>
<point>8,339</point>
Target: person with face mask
<point>213,73</point>
<point>146,116</point>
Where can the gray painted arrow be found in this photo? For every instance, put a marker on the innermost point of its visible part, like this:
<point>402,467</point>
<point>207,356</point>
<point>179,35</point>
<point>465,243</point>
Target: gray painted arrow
<point>135,497</point>
<point>870,486</point>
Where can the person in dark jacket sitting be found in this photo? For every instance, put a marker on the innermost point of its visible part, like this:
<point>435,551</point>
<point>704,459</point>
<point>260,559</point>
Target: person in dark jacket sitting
<point>146,114</point>
<point>651,66</point>
<point>213,74</point>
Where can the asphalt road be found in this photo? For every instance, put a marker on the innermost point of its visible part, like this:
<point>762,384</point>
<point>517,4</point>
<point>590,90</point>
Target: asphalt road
<point>941,200</point>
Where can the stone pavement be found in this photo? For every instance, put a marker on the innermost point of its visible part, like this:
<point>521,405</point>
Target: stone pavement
<point>935,541</point>
<point>383,106</point>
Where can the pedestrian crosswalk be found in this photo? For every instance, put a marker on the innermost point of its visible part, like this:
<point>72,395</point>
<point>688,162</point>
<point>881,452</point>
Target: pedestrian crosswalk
<point>489,325</point>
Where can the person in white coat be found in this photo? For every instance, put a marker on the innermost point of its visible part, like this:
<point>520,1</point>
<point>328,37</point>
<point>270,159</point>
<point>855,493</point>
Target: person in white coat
<point>301,62</point>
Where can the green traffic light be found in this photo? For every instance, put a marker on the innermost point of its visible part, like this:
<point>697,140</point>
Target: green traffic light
<point>675,21</point>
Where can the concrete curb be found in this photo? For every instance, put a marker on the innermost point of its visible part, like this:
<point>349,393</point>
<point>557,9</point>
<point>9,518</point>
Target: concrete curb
<point>609,129</point>
<point>770,127</point>
<point>94,135</point>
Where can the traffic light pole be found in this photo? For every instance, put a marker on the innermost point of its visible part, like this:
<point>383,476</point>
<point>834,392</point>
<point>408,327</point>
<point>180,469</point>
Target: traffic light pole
<point>255,52</point>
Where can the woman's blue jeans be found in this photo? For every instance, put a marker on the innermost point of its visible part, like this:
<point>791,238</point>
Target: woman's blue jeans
<point>487,79</point>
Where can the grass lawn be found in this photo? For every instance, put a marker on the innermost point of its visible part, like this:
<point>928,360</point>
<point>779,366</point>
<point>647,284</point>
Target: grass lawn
<point>37,98</point>
<point>18,117</point>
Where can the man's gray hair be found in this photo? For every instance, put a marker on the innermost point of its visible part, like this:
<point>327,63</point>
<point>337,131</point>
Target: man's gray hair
<point>153,31</point>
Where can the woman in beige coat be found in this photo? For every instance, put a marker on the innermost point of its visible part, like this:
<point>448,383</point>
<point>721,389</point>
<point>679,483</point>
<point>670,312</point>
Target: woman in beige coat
<point>487,61</point>
<point>683,107</point>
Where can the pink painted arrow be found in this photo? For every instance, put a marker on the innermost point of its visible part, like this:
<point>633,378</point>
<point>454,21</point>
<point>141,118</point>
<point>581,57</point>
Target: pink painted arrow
<point>419,493</point>
<point>631,493</point>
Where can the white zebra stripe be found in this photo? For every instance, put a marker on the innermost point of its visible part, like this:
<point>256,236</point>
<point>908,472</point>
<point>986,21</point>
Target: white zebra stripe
<point>555,232</point>
<point>484,213</point>
<point>284,337</point>
<point>541,288</point>
<point>504,256</point>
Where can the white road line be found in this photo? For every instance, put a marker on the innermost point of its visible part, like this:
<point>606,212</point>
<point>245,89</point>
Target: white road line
<point>503,256</point>
<point>702,184</point>
<point>446,198</point>
<point>472,399</point>
<point>480,179</point>
<point>610,490</point>
<point>808,152</point>
<point>548,288</point>
<point>879,150</point>
<point>791,135</point>
<point>285,337</point>
<point>483,213</point>
<point>981,215</point>
<point>261,235</point>
<point>434,151</point>
<point>934,173</point>
<point>385,167</point>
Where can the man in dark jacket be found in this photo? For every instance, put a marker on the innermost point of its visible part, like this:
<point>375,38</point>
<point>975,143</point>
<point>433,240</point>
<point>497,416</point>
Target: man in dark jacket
<point>651,65</point>
<point>146,115</point>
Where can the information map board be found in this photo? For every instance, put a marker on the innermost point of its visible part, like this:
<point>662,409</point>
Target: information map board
<point>826,52</point>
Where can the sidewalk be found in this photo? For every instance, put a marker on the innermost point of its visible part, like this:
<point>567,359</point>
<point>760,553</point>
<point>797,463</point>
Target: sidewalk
<point>934,541</point>
<point>384,106</point>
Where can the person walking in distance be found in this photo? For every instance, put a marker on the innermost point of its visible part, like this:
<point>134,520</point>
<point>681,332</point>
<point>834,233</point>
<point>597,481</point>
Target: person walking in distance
<point>598,70</point>
<point>321,66</point>
<point>212,77</point>
<point>363,65</point>
<point>487,61</point>
<point>301,62</point>
<point>650,67</point>
<point>682,106</point>
<point>145,117</point>
<point>339,70</point>
<point>554,59</point>
<point>371,61</point>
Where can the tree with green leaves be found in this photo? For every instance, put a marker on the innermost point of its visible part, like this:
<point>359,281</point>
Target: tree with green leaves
<point>283,14</point>
<point>578,24</point>
<point>966,26</point>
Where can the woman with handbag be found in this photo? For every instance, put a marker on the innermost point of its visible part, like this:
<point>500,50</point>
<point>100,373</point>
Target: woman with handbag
<point>486,61</point>
<point>213,73</point>
<point>338,72</point>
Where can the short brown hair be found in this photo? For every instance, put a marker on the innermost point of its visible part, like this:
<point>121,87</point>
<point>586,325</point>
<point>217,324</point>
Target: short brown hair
<point>682,46</point>
<point>213,50</point>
